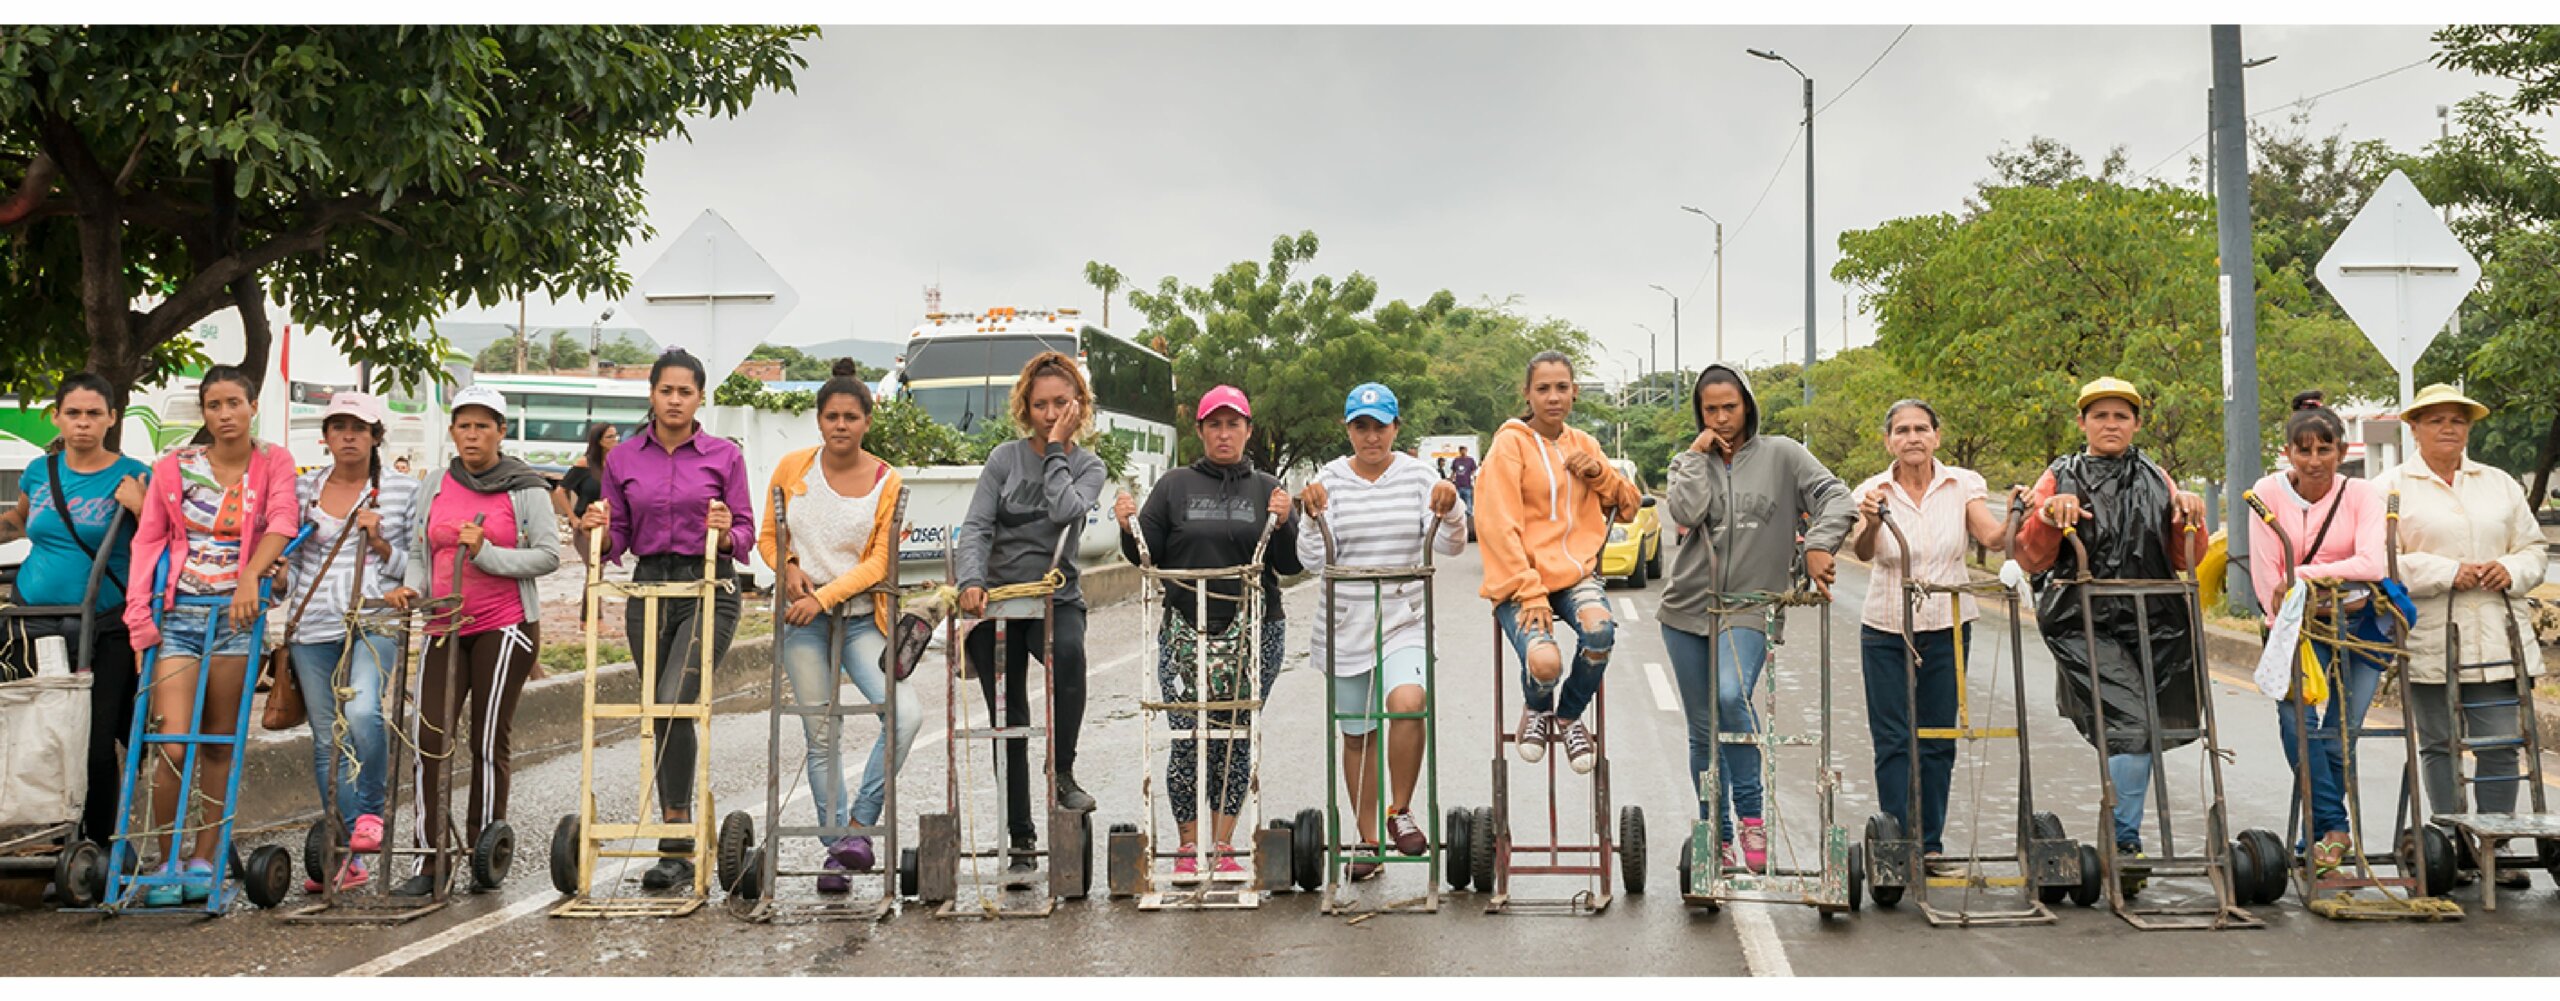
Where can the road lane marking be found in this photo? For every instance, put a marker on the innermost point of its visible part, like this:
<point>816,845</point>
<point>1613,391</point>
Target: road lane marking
<point>1627,610</point>
<point>440,941</point>
<point>1761,950</point>
<point>1665,697</point>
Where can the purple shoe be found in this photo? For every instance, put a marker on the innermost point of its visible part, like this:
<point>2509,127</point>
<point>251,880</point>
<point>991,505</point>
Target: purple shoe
<point>831,882</point>
<point>853,854</point>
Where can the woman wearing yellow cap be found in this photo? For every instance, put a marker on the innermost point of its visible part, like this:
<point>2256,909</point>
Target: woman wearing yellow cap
<point>2468,544</point>
<point>2135,524</point>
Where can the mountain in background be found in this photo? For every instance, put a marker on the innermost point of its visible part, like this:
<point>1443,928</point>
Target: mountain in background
<point>876,354</point>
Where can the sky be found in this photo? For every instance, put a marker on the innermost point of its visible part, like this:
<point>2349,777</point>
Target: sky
<point>1545,166</point>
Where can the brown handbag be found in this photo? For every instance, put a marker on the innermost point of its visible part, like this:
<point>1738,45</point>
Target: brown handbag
<point>285,709</point>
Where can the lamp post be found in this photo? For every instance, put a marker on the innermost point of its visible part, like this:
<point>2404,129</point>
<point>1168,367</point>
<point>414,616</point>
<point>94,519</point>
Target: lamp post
<point>1773,56</point>
<point>595,343</point>
<point>1653,348</point>
<point>1675,324</point>
<point>1675,343</point>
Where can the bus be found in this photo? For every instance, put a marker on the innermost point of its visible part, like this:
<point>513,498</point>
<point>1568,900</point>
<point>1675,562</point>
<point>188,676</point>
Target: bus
<point>960,368</point>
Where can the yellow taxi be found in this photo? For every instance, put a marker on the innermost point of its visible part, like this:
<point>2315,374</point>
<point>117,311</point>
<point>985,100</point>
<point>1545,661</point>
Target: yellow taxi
<point>1634,551</point>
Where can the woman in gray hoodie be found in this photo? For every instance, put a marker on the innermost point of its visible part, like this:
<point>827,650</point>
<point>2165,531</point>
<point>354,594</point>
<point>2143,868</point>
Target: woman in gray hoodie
<point>1741,495</point>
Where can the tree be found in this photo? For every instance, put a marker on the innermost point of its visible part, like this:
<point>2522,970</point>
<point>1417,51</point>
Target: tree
<point>2526,54</point>
<point>567,351</point>
<point>622,350</point>
<point>797,365</point>
<point>1478,360</point>
<point>1107,279</point>
<point>369,177</point>
<point>499,356</point>
<point>2303,192</point>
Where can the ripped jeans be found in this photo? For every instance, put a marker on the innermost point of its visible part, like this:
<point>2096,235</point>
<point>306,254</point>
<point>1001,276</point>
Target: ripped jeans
<point>1581,678</point>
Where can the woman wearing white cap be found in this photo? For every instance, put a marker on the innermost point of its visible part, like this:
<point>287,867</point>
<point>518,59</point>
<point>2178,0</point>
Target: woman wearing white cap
<point>2468,546</point>
<point>348,499</point>
<point>495,510</point>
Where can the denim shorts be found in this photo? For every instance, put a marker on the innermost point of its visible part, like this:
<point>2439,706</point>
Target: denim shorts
<point>1351,693</point>
<point>183,633</point>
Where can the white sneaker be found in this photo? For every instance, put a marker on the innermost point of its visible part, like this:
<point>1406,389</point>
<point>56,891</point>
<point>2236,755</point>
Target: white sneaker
<point>1533,735</point>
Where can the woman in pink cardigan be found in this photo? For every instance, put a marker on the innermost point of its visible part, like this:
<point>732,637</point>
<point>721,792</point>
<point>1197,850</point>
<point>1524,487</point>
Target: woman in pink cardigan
<point>2336,527</point>
<point>216,518</point>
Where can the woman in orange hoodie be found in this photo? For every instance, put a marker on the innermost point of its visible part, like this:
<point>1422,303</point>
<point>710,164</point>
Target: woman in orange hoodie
<point>843,503</point>
<point>1543,493</point>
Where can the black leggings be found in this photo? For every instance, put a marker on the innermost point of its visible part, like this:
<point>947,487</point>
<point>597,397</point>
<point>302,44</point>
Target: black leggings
<point>680,666</point>
<point>1066,679</point>
<point>112,684</point>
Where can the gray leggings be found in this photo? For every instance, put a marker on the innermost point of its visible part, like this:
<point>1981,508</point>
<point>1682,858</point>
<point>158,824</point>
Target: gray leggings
<point>2436,759</point>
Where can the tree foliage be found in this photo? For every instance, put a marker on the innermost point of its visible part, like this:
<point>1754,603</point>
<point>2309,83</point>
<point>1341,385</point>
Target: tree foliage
<point>369,177</point>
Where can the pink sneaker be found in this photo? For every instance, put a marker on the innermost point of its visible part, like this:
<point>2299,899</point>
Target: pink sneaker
<point>1185,867</point>
<point>1227,865</point>
<point>1755,845</point>
<point>365,838</point>
<point>351,874</point>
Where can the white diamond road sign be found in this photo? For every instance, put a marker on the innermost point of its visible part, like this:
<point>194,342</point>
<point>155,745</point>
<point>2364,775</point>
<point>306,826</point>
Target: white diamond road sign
<point>2399,273</point>
<point>713,295</point>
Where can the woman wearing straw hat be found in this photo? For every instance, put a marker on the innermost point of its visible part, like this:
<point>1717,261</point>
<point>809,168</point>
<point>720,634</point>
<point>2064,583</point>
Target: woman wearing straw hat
<point>2466,530</point>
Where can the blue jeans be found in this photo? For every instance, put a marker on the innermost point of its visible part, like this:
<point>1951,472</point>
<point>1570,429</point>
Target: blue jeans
<point>2132,776</point>
<point>1885,663</point>
<point>1741,654</point>
<point>1580,681</point>
<point>2329,774</point>
<point>315,669</point>
<point>858,658</point>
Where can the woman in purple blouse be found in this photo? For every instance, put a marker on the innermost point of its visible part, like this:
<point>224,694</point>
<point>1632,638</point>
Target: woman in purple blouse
<point>664,490</point>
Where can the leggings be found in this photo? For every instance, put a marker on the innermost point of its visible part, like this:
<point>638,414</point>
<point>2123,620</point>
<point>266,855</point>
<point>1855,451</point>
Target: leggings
<point>680,666</point>
<point>112,687</point>
<point>1230,758</point>
<point>494,666</point>
<point>1066,686</point>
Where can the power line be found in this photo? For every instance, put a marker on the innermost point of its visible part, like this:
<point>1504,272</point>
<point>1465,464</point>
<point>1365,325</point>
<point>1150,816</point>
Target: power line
<point>1862,74</point>
<point>2296,103</point>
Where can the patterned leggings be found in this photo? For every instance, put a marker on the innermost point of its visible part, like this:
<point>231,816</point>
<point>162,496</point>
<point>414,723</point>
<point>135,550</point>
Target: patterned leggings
<point>1230,768</point>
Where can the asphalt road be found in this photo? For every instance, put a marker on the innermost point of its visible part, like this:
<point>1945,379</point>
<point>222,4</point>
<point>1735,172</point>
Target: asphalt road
<point>509,932</point>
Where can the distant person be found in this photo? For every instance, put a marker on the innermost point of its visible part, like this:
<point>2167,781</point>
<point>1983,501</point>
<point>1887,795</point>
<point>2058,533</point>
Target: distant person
<point>401,465</point>
<point>583,484</point>
<point>1442,464</point>
<point>1462,474</point>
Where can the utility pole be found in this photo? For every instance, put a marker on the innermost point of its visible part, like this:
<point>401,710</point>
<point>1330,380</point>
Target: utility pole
<point>2239,308</point>
<point>2444,132</point>
<point>1808,241</point>
<point>2212,138</point>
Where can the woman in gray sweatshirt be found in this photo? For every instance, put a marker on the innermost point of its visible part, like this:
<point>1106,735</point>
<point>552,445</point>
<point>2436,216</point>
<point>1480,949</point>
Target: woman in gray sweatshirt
<point>1741,495</point>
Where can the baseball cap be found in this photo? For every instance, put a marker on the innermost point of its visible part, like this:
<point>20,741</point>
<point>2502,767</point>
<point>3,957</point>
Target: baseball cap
<point>2106,386</point>
<point>1225,396</point>
<point>480,396</point>
<point>365,407</point>
<point>1370,400</point>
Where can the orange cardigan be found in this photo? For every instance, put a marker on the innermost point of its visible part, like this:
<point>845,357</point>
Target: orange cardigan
<point>792,476</point>
<point>1538,527</point>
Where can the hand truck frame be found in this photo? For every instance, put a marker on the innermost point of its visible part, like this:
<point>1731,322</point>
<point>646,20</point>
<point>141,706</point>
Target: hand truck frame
<point>1337,854</point>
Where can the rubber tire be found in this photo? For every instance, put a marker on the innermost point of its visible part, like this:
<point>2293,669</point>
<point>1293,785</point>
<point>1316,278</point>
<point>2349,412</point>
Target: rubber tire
<point>2092,887</point>
<point>1457,846</point>
<point>269,876</point>
<point>80,874</point>
<point>1654,566</point>
<point>2435,866</point>
<point>750,882</point>
<point>2549,849</point>
<point>1480,853</point>
<point>2272,878</point>
<point>493,856</point>
<point>315,851</point>
<point>1631,849</point>
<point>1306,849</point>
<point>2047,827</point>
<point>737,841</point>
<point>1882,827</point>
<point>1084,852</point>
<point>1636,578</point>
<point>910,873</point>
<point>1688,883</point>
<point>564,856</point>
<point>2245,869</point>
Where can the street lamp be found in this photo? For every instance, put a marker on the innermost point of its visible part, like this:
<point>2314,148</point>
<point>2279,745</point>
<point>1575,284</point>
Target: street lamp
<point>1653,348</point>
<point>1675,344</point>
<point>595,343</point>
<point>1773,56</point>
<point>1675,324</point>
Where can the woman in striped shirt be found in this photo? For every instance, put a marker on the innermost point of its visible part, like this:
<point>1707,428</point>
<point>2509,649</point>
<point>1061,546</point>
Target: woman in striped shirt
<point>1369,501</point>
<point>349,495</point>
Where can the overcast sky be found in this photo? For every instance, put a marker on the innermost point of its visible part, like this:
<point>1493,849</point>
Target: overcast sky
<point>1546,164</point>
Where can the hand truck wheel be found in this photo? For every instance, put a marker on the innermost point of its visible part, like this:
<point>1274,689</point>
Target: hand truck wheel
<point>1306,849</point>
<point>315,850</point>
<point>564,856</point>
<point>750,882</point>
<point>493,856</point>
<point>2045,827</point>
<point>2427,852</point>
<point>737,842</point>
<point>2092,872</point>
<point>1881,828</point>
<point>1480,856</point>
<point>269,875</point>
<point>1457,846</point>
<point>908,872</point>
<point>2275,864</point>
<point>80,874</point>
<point>2244,869</point>
<point>2549,850</point>
<point>1857,876</point>
<point>1631,858</point>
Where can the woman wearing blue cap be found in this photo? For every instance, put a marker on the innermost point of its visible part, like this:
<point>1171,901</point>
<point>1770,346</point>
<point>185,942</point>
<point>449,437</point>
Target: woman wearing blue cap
<point>1381,507</point>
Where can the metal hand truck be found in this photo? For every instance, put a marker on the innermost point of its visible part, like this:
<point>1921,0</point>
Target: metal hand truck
<point>2221,862</point>
<point>2422,872</point>
<point>268,875</point>
<point>580,839</point>
<point>1832,885</point>
<point>1337,853</point>
<point>2478,836</point>
<point>1289,850</point>
<point>56,848</point>
<point>947,842</point>
<point>324,847</point>
<point>754,871</point>
<point>2047,864</point>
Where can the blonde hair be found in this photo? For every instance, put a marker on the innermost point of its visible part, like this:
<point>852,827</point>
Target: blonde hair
<point>1049,363</point>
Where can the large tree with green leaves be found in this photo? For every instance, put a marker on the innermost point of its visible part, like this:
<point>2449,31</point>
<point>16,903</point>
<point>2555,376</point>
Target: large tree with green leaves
<point>371,177</point>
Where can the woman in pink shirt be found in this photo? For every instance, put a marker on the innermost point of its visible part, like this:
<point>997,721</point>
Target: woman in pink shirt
<point>2335,525</point>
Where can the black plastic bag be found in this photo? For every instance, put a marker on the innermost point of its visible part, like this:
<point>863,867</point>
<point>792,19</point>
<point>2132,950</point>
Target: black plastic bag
<point>2128,537</point>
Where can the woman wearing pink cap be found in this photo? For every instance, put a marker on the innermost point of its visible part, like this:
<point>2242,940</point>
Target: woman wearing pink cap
<point>1205,516</point>
<point>349,499</point>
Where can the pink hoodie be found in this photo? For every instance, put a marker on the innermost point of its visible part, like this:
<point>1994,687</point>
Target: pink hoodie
<point>2351,551</point>
<point>271,507</point>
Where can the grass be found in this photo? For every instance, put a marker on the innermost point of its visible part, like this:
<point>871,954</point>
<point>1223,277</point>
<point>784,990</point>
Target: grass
<point>570,658</point>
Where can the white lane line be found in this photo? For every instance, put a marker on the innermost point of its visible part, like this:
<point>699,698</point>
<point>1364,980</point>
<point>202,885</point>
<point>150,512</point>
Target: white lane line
<point>1627,610</point>
<point>1761,950</point>
<point>1116,663</point>
<point>450,937</point>
<point>1665,697</point>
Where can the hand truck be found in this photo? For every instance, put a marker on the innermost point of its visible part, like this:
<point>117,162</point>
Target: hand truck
<point>2478,837</point>
<point>56,849</point>
<point>1339,854</point>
